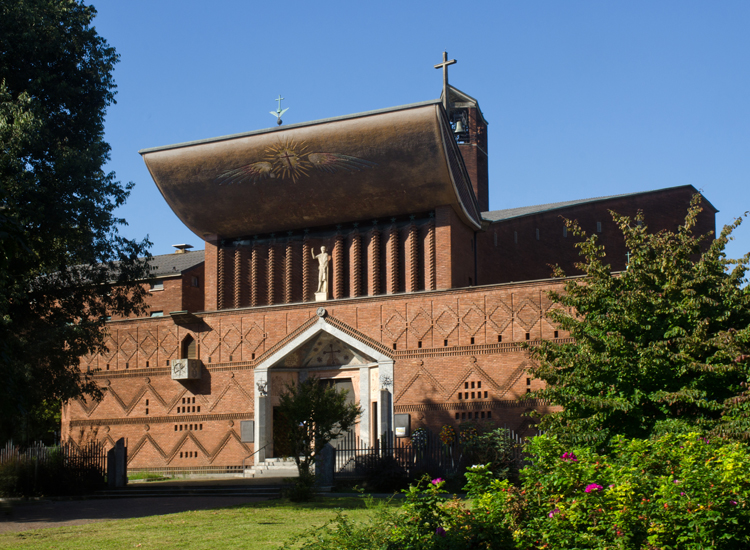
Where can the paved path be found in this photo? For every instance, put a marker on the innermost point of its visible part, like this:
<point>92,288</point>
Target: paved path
<point>45,514</point>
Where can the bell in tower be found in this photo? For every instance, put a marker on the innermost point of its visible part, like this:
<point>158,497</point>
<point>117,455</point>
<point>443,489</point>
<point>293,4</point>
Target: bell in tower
<point>470,131</point>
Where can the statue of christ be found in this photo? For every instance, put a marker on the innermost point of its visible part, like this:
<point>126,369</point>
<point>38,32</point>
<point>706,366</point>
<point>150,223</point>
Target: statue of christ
<point>323,259</point>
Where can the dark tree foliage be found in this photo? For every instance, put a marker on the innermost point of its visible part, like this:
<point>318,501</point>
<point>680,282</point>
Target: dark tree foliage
<point>63,265</point>
<point>662,346</point>
<point>314,414</point>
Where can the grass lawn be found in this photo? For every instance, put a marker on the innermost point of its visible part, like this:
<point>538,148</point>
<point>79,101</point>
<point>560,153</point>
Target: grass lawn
<point>250,526</point>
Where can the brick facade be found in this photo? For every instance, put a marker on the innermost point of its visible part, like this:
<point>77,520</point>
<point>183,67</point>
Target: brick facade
<point>439,341</point>
<point>432,307</point>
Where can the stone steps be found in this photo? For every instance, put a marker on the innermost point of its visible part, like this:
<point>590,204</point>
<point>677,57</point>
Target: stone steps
<point>273,467</point>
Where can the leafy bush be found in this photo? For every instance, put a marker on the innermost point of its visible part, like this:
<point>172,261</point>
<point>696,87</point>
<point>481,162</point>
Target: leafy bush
<point>427,521</point>
<point>300,489</point>
<point>493,447</point>
<point>384,474</point>
<point>677,491</point>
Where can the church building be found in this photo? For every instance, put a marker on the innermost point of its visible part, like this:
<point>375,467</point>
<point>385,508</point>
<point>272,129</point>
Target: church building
<point>360,250</point>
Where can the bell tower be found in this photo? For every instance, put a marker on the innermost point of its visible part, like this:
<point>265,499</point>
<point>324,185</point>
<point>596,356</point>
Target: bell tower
<point>470,131</point>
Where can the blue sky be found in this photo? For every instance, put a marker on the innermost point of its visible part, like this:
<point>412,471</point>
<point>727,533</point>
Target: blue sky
<point>583,98</point>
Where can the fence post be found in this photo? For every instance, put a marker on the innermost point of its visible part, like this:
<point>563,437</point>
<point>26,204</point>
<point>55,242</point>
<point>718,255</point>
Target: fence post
<point>117,464</point>
<point>324,466</point>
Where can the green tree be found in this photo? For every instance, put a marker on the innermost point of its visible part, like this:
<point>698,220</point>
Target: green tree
<point>314,414</point>
<point>661,346</point>
<point>63,265</point>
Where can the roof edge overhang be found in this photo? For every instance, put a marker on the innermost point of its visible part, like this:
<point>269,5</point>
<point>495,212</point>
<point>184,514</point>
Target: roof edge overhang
<point>284,127</point>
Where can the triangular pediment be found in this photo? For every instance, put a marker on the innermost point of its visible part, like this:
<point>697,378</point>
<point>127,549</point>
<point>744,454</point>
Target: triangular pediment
<point>325,350</point>
<point>326,342</point>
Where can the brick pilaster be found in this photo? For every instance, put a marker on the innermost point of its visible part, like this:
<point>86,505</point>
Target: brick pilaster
<point>355,265</point>
<point>443,263</point>
<point>373,262</point>
<point>271,274</point>
<point>254,260</point>
<point>338,266</point>
<point>391,267</point>
<point>412,258</point>
<point>288,272</point>
<point>306,257</point>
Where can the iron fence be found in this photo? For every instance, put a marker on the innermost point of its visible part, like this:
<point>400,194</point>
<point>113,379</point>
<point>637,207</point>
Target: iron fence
<point>38,469</point>
<point>356,459</point>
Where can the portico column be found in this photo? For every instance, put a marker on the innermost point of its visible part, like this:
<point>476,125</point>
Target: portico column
<point>364,401</point>
<point>385,416</point>
<point>263,415</point>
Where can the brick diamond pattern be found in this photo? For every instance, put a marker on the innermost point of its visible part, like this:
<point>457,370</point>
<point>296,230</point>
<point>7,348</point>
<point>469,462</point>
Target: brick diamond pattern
<point>473,320</point>
<point>148,345</point>
<point>527,314</point>
<point>500,316</point>
<point>210,343</point>
<point>231,340</point>
<point>395,326</point>
<point>128,347</point>
<point>420,324</point>
<point>446,322</point>
<point>169,344</point>
<point>110,345</point>
<point>254,337</point>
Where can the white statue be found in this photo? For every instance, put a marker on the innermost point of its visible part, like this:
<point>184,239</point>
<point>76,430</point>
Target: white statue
<point>323,259</point>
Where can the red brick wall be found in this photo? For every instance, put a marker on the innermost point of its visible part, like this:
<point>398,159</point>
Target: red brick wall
<point>435,356</point>
<point>211,276</point>
<point>169,299</point>
<point>475,158</point>
<point>528,258</point>
<point>192,296</point>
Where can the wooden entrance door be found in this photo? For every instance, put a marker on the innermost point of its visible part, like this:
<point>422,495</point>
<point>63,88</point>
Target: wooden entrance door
<point>280,435</point>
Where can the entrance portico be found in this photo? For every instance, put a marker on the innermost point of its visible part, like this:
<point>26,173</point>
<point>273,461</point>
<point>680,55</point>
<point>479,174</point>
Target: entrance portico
<point>327,351</point>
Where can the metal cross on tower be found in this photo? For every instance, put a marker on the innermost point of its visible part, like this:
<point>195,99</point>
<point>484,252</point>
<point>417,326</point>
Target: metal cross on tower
<point>444,66</point>
<point>278,112</point>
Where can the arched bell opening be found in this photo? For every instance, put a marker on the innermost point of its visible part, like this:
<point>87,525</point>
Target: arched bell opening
<point>189,348</point>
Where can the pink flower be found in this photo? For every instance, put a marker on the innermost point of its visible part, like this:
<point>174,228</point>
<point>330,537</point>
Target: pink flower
<point>437,480</point>
<point>553,513</point>
<point>440,532</point>
<point>593,487</point>
<point>570,457</point>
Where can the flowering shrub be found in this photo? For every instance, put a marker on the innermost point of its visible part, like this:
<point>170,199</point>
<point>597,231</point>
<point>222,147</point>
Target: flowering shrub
<point>678,491</point>
<point>448,435</point>
<point>419,438</point>
<point>675,492</point>
<point>468,434</point>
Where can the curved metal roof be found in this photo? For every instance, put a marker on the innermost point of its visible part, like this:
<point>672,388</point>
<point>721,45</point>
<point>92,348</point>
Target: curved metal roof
<point>366,166</point>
